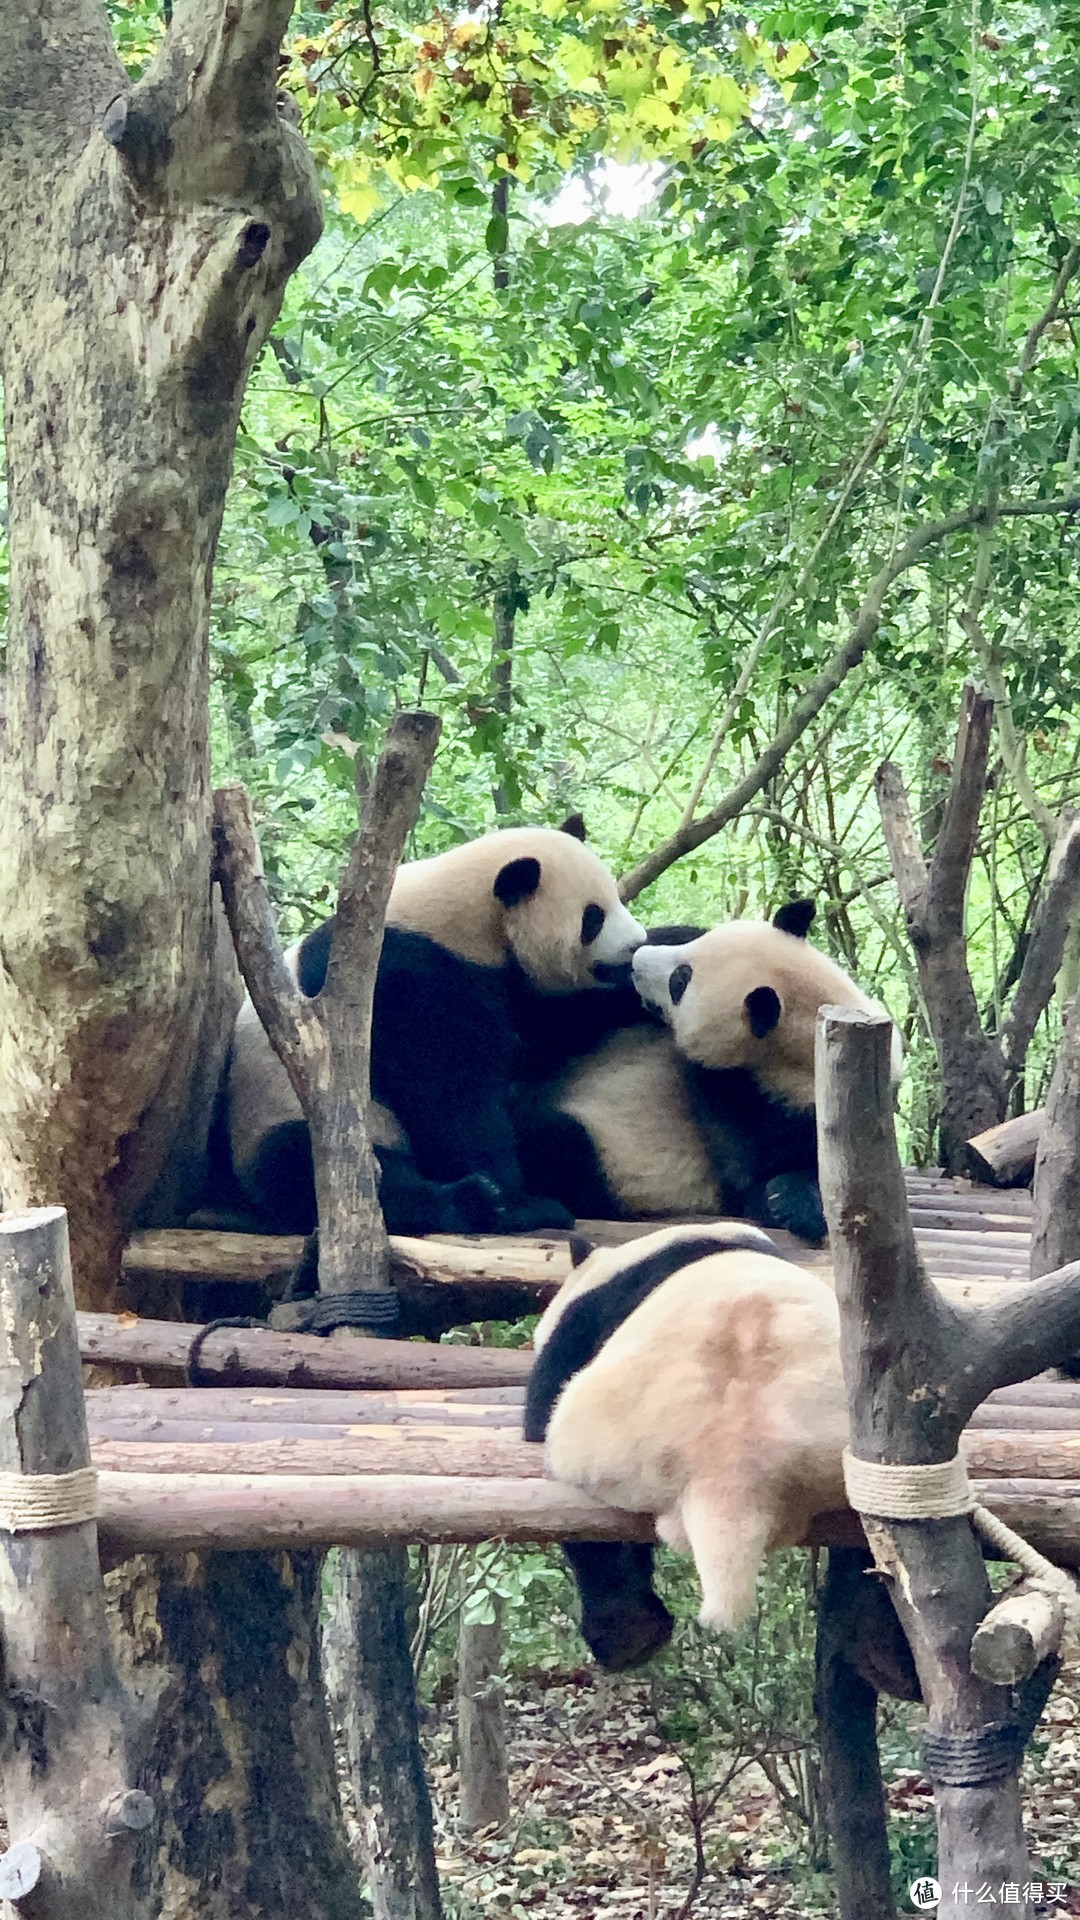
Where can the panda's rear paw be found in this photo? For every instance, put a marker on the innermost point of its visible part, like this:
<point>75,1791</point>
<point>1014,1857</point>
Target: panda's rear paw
<point>792,1201</point>
<point>472,1205</point>
<point>529,1216</point>
<point>626,1632</point>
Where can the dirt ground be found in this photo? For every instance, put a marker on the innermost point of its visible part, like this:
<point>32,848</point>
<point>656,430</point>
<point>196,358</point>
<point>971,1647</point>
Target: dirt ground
<point>601,1820</point>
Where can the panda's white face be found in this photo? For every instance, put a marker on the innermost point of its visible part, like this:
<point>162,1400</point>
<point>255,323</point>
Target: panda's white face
<point>564,921</point>
<point>748,995</point>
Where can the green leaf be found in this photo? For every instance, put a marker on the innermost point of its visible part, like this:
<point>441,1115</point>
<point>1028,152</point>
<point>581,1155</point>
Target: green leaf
<point>497,234</point>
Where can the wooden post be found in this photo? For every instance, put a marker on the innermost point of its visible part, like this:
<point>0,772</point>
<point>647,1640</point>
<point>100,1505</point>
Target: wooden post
<point>484,1787</point>
<point>1055,1225</point>
<point>72,1812</point>
<point>845,1703</point>
<point>325,1045</point>
<point>916,1366</point>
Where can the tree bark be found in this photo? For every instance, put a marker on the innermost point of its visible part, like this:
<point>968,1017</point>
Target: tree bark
<point>148,233</point>
<point>67,1776</point>
<point>374,1692</point>
<point>916,1366</point>
<point>483,1782</point>
<point>228,1645</point>
<point>934,897</point>
<point>1055,1226</point>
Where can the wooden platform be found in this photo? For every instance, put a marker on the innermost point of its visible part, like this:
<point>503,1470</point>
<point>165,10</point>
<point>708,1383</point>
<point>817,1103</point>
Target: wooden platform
<point>360,1442</point>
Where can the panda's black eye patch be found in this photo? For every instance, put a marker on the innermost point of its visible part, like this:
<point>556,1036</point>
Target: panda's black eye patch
<point>679,982</point>
<point>591,922</point>
<point>763,1011</point>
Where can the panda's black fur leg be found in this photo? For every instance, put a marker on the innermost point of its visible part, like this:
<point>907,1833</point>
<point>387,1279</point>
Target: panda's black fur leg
<point>280,1183</point>
<point>558,1156</point>
<point>529,1215</point>
<point>624,1622</point>
<point>411,1203</point>
<point>791,1201</point>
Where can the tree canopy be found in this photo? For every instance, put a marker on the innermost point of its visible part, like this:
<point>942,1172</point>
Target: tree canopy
<point>642,347</point>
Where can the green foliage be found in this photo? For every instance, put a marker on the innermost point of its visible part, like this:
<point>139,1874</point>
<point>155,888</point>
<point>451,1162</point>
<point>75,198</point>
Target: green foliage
<point>662,436</point>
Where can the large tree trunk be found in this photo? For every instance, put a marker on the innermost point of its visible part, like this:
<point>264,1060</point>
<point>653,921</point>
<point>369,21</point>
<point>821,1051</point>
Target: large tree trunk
<point>148,234</point>
<point>240,1763</point>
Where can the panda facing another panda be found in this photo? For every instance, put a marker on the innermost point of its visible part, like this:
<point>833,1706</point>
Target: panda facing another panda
<point>510,948</point>
<point>713,1111</point>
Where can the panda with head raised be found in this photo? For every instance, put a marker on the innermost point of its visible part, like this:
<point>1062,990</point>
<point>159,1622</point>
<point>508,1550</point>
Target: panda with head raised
<point>499,948</point>
<point>694,1376</point>
<point>712,1112</point>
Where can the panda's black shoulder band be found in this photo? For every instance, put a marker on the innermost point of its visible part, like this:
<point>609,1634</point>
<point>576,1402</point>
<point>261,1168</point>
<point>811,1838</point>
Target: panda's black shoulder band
<point>591,1319</point>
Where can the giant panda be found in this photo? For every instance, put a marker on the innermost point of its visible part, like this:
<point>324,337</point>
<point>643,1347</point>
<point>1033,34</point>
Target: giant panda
<point>695,1376</point>
<point>711,1111</point>
<point>497,947</point>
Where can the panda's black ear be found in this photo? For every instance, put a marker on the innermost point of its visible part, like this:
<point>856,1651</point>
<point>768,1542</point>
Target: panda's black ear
<point>762,1010</point>
<point>313,959</point>
<point>517,881</point>
<point>580,1249</point>
<point>574,825</point>
<point>796,917</point>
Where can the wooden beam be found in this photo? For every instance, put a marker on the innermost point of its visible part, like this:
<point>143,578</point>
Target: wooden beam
<point>260,1356</point>
<point>1004,1156</point>
<point>159,1513</point>
<point>164,1513</point>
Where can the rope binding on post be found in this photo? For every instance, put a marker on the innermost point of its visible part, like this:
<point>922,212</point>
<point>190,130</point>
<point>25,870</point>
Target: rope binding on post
<point>42,1502</point>
<point>941,1491</point>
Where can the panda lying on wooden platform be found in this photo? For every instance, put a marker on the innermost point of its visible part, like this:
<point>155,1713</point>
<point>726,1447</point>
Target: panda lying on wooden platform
<point>695,1376</point>
<point>712,1112</point>
<point>507,954</point>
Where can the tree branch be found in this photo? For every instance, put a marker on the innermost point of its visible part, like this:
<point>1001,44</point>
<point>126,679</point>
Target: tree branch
<point>324,1042</point>
<point>1055,1226</point>
<point>915,1368</point>
<point>687,838</point>
<point>950,868</point>
<point>910,870</point>
<point>201,124</point>
<point>292,1024</point>
<point>1046,946</point>
<point>933,896</point>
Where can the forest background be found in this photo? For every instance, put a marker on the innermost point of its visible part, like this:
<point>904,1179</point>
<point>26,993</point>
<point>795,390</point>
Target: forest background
<point>682,404</point>
<point>638,346</point>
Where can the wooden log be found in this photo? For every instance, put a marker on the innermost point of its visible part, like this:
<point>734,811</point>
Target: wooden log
<point>1056,1201</point>
<point>157,1513</point>
<point>450,1451</point>
<point>268,1259</point>
<point>1004,1156</point>
<point>260,1356</point>
<point>845,1703</point>
<point>441,1451</point>
<point>163,1513</point>
<point>64,1736</point>
<point>483,1781</point>
<point>384,1404</point>
<point>1018,1633</point>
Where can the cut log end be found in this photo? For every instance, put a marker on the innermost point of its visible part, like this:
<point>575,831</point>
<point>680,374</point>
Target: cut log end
<point>1017,1634</point>
<point>22,1869</point>
<point>1004,1156</point>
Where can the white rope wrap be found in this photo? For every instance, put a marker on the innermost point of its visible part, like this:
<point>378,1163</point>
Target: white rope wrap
<point>942,1492</point>
<point>937,1492</point>
<point>39,1502</point>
